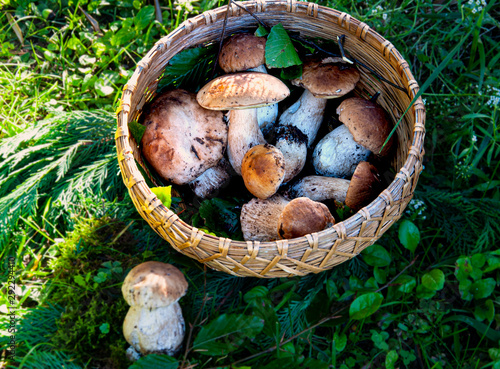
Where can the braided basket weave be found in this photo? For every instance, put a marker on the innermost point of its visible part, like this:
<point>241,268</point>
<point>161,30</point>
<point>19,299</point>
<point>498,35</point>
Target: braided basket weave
<point>318,251</point>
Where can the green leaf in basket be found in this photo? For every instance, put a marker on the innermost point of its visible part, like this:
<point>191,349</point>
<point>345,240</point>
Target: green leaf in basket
<point>365,305</point>
<point>164,194</point>
<point>280,52</point>
<point>152,361</point>
<point>434,280</point>
<point>376,255</point>
<point>145,16</point>
<point>190,68</point>
<point>136,130</point>
<point>226,333</point>
<point>409,235</point>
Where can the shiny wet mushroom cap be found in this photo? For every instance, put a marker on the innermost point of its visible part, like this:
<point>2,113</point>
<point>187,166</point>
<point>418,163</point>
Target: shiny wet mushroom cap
<point>242,91</point>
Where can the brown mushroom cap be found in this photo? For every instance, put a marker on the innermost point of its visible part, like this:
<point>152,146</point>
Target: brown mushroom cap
<point>241,52</point>
<point>364,187</point>
<point>368,123</point>
<point>303,216</point>
<point>263,170</point>
<point>154,284</point>
<point>182,139</point>
<point>259,218</point>
<point>242,91</point>
<point>326,79</point>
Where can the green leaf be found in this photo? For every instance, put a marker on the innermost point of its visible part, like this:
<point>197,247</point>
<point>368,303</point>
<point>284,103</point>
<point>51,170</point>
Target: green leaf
<point>261,32</point>
<point>164,194</point>
<point>190,68</point>
<point>79,280</point>
<point>136,130</point>
<point>365,305</point>
<point>434,280</point>
<point>257,292</point>
<point>409,235</point>
<point>339,341</point>
<point>153,361</point>
<point>103,87</point>
<point>226,334</point>
<point>380,275</point>
<point>405,283</point>
<point>280,52</point>
<point>482,328</point>
<point>221,217</point>
<point>104,328</point>
<point>424,293</point>
<point>485,311</point>
<point>482,288</point>
<point>463,268</point>
<point>376,256</point>
<point>145,16</point>
<point>391,359</point>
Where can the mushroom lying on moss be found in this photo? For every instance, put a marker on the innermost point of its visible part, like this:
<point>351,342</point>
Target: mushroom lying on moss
<point>154,322</point>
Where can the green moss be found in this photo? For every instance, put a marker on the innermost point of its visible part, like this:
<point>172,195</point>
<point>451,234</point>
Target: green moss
<point>87,275</point>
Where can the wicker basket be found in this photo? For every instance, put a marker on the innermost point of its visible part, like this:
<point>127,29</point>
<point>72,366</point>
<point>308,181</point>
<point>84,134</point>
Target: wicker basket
<point>318,251</point>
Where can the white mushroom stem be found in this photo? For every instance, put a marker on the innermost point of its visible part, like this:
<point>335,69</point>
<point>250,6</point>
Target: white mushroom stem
<point>208,184</point>
<point>337,154</point>
<point>266,115</point>
<point>319,188</point>
<point>243,134</point>
<point>293,144</point>
<point>306,114</point>
<point>155,330</point>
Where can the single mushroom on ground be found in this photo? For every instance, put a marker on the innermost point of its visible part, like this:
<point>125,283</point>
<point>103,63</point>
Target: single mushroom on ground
<point>182,140</point>
<point>240,93</point>
<point>246,52</point>
<point>263,170</point>
<point>276,217</point>
<point>154,322</point>
<point>357,192</point>
<point>365,129</point>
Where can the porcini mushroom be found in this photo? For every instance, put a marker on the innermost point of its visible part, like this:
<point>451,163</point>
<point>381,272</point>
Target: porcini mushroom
<point>263,170</point>
<point>365,129</point>
<point>182,140</point>
<point>324,79</point>
<point>357,192</point>
<point>267,220</point>
<point>154,322</point>
<point>246,52</point>
<point>240,93</point>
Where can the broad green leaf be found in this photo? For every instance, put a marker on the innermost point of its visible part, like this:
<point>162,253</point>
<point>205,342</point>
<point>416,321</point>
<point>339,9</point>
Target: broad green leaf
<point>86,59</point>
<point>255,293</point>
<point>464,289</point>
<point>339,341</point>
<point>261,32</point>
<point>123,36</point>
<point>380,275</point>
<point>331,289</point>
<point>493,263</point>
<point>145,16</point>
<point>79,280</point>
<point>494,354</point>
<point>280,52</point>
<point>409,235</point>
<point>424,293</point>
<point>365,305</point>
<point>485,311</point>
<point>103,87</point>
<point>391,359</point>
<point>405,283</point>
<point>104,328</point>
<point>376,256</point>
<point>190,68</point>
<point>482,288</point>
<point>226,333</point>
<point>434,280</point>
<point>463,268</point>
<point>136,130</point>
<point>154,361</point>
<point>164,194</point>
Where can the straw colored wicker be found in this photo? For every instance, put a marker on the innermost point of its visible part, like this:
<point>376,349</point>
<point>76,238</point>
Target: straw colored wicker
<point>318,251</point>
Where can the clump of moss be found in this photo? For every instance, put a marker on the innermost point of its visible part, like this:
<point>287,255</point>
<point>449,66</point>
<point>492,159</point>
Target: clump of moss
<point>87,275</point>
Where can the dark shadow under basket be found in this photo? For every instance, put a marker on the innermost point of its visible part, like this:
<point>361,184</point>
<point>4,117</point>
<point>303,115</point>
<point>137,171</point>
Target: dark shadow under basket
<point>318,251</point>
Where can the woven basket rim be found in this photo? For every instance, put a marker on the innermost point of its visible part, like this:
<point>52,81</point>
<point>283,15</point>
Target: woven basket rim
<point>408,173</point>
